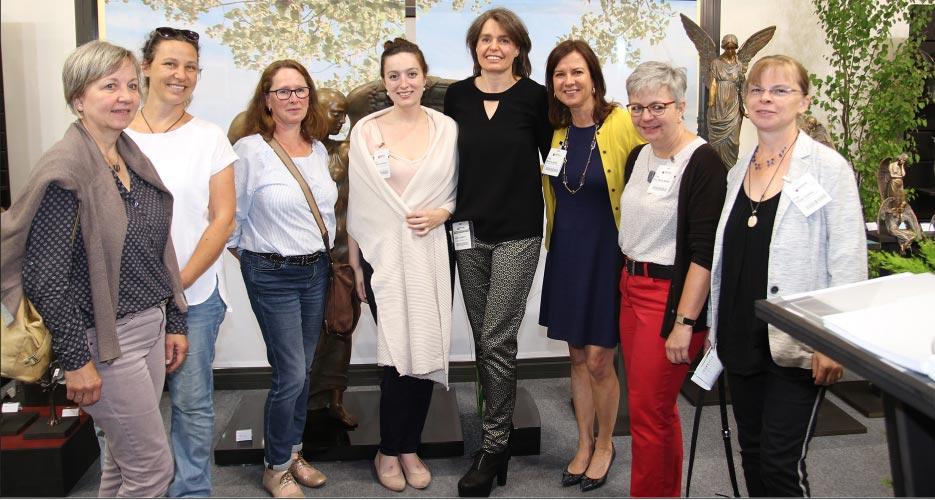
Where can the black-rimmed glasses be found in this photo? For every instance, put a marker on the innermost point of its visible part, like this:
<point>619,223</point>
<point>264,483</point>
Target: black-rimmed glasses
<point>655,109</point>
<point>167,32</point>
<point>285,94</point>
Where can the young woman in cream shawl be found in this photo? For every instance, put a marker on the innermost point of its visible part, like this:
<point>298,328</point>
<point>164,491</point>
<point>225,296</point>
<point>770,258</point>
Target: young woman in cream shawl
<point>403,178</point>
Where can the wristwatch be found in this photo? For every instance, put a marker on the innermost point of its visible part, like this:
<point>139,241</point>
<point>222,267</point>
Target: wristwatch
<point>684,321</point>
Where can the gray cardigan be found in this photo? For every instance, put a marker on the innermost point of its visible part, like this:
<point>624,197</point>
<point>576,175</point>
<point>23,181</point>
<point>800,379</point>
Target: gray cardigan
<point>826,249</point>
<point>76,164</point>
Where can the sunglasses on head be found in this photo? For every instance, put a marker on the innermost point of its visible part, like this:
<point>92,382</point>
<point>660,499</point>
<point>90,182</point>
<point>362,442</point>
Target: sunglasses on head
<point>166,32</point>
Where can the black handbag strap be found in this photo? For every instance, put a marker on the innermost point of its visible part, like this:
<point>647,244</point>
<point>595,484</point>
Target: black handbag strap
<point>309,198</point>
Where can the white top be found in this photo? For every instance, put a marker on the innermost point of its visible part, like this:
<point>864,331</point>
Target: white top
<point>272,214</point>
<point>648,224</point>
<point>185,159</point>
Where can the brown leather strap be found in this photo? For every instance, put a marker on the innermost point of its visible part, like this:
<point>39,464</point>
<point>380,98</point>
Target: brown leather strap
<point>290,166</point>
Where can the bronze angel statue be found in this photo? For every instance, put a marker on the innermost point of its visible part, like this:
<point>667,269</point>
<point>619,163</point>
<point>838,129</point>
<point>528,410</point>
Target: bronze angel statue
<point>894,210</point>
<point>724,77</point>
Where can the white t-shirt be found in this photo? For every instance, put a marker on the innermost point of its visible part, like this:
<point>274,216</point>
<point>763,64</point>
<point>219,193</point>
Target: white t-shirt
<point>186,158</point>
<point>648,223</point>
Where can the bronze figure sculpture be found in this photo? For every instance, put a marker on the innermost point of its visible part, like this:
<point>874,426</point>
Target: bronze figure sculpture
<point>816,131</point>
<point>724,77</point>
<point>895,209</point>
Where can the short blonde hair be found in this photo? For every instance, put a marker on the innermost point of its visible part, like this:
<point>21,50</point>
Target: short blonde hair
<point>795,69</point>
<point>89,62</point>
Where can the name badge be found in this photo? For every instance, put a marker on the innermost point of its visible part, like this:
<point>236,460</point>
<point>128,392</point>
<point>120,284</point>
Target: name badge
<point>806,194</point>
<point>462,235</point>
<point>382,158</point>
<point>663,181</point>
<point>554,162</point>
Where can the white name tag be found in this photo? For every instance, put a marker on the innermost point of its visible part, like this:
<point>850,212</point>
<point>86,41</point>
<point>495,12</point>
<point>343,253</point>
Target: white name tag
<point>10,407</point>
<point>243,435</point>
<point>70,412</point>
<point>554,162</point>
<point>806,194</point>
<point>708,369</point>
<point>382,158</point>
<point>663,180</point>
<point>462,234</point>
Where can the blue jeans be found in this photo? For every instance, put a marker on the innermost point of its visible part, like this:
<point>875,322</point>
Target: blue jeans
<point>190,388</point>
<point>289,304</point>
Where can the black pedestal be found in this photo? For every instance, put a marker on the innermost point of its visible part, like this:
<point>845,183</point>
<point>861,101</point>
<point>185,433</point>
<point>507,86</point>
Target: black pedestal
<point>861,395</point>
<point>527,430</point>
<point>47,467</point>
<point>326,441</point>
<point>833,421</point>
<point>12,424</point>
<point>42,430</point>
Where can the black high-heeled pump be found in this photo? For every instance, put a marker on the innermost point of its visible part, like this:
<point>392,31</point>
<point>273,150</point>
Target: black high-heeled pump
<point>479,478</point>
<point>588,484</point>
<point>569,479</point>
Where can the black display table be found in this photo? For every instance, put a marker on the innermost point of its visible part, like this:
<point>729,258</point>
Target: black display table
<point>908,397</point>
<point>46,467</point>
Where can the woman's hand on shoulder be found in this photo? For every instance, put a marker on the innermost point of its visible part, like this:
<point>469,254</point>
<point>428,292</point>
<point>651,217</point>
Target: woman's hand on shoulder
<point>83,386</point>
<point>423,221</point>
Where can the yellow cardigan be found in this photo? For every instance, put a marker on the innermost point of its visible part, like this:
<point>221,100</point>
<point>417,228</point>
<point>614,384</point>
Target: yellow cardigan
<point>615,139</point>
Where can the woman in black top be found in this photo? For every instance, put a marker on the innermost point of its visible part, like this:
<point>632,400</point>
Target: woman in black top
<point>503,125</point>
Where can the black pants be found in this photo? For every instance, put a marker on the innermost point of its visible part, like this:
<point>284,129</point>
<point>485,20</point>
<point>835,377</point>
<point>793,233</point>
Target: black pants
<point>776,410</point>
<point>404,401</point>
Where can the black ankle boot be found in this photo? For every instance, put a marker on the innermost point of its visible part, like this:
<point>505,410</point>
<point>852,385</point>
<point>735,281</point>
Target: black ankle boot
<point>479,479</point>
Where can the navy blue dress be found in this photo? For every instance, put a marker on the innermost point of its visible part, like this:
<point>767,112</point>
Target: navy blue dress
<point>579,289</point>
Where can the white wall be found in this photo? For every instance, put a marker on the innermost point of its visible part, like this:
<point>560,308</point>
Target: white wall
<point>36,39</point>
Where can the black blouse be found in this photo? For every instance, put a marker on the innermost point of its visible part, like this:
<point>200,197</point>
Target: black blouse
<point>55,271</point>
<point>743,342</point>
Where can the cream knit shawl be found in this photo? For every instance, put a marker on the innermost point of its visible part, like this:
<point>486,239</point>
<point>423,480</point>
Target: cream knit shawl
<point>411,280</point>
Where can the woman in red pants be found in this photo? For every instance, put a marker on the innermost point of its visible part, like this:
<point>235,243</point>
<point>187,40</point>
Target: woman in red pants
<point>668,216</point>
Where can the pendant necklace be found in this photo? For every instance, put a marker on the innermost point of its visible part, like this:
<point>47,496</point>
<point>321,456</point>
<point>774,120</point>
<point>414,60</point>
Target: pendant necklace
<point>752,220</point>
<point>114,165</point>
<point>586,165</point>
<point>151,131</point>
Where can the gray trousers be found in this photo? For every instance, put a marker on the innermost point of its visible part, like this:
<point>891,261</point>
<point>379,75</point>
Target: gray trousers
<point>495,281</point>
<point>137,462</point>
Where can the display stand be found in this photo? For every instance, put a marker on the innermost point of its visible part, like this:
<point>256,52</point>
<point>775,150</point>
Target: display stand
<point>47,467</point>
<point>12,424</point>
<point>908,396</point>
<point>861,395</point>
<point>326,440</point>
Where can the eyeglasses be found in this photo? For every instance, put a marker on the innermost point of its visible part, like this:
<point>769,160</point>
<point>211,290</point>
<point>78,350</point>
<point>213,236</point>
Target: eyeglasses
<point>655,109</point>
<point>779,92</point>
<point>167,32</point>
<point>285,94</point>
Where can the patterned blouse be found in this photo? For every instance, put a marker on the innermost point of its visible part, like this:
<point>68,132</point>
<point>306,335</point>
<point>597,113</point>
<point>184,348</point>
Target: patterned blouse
<point>55,272</point>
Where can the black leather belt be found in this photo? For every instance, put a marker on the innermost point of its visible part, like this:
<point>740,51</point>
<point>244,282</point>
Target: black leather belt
<point>295,260</point>
<point>648,269</point>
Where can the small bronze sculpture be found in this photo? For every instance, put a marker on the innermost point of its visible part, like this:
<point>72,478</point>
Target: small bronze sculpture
<point>894,210</point>
<point>816,131</point>
<point>724,76</point>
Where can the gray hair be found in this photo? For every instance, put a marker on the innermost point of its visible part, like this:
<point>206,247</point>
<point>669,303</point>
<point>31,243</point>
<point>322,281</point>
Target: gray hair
<point>653,75</point>
<point>89,62</point>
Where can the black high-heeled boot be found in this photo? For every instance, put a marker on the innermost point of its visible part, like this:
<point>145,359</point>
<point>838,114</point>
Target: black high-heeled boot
<point>479,478</point>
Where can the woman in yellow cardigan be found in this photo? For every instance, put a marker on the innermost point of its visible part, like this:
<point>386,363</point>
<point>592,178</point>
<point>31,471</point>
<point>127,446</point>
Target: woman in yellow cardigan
<point>582,181</point>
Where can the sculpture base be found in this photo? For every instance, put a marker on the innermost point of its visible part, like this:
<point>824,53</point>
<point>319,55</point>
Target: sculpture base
<point>42,430</point>
<point>12,424</point>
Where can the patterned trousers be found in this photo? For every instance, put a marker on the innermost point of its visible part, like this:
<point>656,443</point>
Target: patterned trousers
<point>495,281</point>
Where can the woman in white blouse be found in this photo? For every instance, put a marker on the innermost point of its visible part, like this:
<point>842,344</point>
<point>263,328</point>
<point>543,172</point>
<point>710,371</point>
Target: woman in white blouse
<point>403,179</point>
<point>282,256</point>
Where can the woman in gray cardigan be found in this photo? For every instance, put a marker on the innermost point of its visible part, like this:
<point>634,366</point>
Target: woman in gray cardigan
<point>791,223</point>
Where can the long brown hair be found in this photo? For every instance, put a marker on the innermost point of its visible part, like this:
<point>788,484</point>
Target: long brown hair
<point>259,120</point>
<point>514,28</point>
<point>559,115</point>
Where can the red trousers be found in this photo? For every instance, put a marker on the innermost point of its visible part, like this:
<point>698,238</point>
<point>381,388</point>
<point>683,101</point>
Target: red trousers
<point>652,388</point>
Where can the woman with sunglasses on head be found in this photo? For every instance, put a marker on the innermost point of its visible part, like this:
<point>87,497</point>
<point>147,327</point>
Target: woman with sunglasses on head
<point>195,160</point>
<point>503,129</point>
<point>283,259</point>
<point>90,238</point>
<point>403,175</point>
<point>579,287</point>
<point>668,214</point>
<point>773,241</point>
